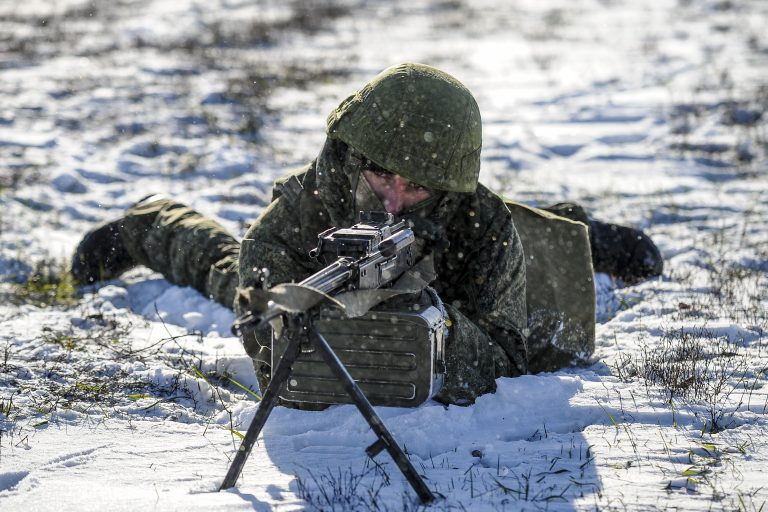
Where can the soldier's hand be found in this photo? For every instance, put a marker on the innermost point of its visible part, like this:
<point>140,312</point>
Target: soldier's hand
<point>252,300</point>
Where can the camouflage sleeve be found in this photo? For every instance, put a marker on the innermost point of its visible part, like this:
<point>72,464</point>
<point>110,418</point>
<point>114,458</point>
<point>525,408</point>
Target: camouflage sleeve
<point>502,311</point>
<point>487,307</point>
<point>274,242</point>
<point>279,241</point>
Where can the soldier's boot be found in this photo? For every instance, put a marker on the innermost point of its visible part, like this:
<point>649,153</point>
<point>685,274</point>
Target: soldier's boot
<point>620,251</point>
<point>624,252</point>
<point>101,254</point>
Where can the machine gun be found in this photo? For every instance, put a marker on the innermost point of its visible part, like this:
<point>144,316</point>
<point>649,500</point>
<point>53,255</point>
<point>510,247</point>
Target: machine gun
<point>364,266</point>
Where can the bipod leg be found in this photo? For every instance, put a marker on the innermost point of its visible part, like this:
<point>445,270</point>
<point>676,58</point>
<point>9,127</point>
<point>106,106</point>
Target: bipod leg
<point>385,439</point>
<point>268,401</point>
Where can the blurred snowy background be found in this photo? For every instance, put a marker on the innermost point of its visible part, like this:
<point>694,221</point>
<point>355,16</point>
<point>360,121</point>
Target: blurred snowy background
<point>132,393</point>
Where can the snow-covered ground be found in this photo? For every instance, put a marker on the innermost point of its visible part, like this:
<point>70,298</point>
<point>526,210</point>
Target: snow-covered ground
<point>132,395</point>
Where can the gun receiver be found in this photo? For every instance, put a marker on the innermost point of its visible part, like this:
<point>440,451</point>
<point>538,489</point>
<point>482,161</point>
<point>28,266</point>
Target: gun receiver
<point>369,255</point>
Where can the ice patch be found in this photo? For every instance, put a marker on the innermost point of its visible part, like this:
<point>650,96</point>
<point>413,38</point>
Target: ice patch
<point>135,166</point>
<point>10,480</point>
<point>66,182</point>
<point>565,150</point>
<point>99,177</point>
<point>628,138</point>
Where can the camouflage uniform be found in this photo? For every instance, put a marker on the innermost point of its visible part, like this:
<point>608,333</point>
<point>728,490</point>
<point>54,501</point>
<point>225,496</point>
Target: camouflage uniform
<point>479,260</point>
<point>466,230</point>
<point>476,251</point>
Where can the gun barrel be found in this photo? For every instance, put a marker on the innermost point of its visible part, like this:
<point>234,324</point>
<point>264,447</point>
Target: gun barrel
<point>326,281</point>
<point>396,243</point>
<point>331,277</point>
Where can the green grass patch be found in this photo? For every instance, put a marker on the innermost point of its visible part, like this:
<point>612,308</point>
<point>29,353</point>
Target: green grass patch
<point>49,284</point>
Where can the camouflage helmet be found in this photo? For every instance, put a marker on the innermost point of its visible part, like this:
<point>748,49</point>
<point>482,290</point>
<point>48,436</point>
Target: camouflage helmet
<point>418,122</point>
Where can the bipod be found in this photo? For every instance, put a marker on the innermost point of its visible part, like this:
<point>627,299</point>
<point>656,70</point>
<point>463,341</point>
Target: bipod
<point>385,441</point>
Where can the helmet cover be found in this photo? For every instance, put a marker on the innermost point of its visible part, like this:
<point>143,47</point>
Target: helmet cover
<point>416,121</point>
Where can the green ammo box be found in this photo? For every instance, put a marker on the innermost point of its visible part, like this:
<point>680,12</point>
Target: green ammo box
<point>396,357</point>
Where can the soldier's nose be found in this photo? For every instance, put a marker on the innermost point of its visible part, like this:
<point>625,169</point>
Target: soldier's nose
<point>398,196</point>
<point>393,200</point>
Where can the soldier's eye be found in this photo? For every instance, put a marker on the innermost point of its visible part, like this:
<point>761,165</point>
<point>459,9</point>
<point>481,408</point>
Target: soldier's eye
<point>376,169</point>
<point>419,188</point>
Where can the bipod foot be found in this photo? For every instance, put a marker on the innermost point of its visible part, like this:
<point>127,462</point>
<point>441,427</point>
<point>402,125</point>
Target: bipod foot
<point>385,440</point>
<point>268,401</point>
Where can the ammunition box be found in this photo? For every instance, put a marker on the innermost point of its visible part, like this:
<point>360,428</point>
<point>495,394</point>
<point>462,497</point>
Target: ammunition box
<point>396,358</point>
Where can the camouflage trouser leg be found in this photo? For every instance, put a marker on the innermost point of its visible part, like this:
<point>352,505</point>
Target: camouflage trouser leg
<point>183,245</point>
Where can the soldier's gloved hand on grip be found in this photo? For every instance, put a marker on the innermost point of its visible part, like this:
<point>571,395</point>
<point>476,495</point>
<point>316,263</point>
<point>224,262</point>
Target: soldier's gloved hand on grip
<point>250,303</point>
<point>253,299</point>
<point>429,232</point>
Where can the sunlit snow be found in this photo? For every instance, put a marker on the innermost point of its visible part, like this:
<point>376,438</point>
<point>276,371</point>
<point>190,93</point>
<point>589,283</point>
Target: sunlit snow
<point>650,113</point>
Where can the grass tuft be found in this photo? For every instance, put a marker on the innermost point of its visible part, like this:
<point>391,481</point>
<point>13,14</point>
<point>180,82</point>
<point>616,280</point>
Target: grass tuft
<point>698,366</point>
<point>344,490</point>
<point>49,284</point>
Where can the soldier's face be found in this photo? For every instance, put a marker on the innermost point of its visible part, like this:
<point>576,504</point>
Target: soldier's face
<point>394,191</point>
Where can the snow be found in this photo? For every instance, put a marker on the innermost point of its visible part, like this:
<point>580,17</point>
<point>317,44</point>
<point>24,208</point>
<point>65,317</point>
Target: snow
<point>650,113</point>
